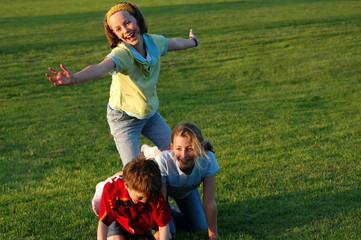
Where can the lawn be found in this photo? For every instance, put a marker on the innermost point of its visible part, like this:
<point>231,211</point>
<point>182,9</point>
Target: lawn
<point>274,84</point>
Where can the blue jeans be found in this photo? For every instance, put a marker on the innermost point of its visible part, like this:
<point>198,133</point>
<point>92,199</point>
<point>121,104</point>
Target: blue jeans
<point>115,229</point>
<point>126,131</point>
<point>188,214</point>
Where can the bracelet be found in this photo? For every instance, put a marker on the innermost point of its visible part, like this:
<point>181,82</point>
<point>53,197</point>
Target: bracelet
<point>195,40</point>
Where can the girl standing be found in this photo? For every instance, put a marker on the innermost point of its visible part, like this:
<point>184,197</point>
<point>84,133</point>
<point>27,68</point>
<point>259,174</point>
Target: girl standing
<point>134,64</point>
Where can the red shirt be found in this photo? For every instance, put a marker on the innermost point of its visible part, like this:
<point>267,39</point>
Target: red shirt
<point>136,218</point>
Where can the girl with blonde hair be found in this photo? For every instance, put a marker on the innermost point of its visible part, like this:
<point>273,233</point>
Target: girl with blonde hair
<point>190,163</point>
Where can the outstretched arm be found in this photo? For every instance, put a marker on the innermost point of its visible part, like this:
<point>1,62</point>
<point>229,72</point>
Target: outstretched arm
<point>92,72</point>
<point>210,207</point>
<point>182,43</point>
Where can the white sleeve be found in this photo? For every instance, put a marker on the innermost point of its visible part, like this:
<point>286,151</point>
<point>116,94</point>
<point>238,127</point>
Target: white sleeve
<point>97,197</point>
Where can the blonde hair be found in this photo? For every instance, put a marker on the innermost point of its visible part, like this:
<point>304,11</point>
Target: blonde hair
<point>194,135</point>
<point>134,11</point>
<point>119,7</point>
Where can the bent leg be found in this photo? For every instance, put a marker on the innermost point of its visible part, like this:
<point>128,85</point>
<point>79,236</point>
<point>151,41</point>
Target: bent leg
<point>126,131</point>
<point>157,131</point>
<point>192,212</point>
<point>116,231</point>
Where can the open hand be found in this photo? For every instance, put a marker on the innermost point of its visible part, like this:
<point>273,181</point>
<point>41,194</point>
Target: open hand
<point>191,34</point>
<point>65,77</point>
<point>193,37</point>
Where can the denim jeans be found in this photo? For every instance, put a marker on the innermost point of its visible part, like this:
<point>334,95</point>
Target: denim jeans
<point>116,229</point>
<point>126,131</point>
<point>188,213</point>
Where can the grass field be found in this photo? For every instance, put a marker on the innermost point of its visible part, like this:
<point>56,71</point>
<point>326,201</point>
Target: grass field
<point>275,84</point>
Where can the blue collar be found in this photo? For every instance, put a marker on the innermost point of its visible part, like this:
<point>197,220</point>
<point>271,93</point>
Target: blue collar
<point>150,47</point>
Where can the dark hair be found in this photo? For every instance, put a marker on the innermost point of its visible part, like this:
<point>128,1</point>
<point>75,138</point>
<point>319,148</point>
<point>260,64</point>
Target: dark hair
<point>112,38</point>
<point>143,176</point>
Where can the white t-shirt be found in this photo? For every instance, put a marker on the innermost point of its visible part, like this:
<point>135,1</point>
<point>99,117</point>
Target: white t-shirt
<point>179,184</point>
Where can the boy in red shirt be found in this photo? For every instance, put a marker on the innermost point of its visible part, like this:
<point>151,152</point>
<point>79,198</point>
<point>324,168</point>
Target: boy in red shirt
<point>134,201</point>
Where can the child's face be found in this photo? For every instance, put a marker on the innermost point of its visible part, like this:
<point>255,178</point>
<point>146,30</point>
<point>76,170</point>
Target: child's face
<point>137,197</point>
<point>125,27</point>
<point>184,153</point>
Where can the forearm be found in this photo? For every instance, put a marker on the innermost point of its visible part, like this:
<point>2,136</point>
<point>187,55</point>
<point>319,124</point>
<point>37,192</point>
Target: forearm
<point>89,73</point>
<point>210,211</point>
<point>164,233</point>
<point>95,71</point>
<point>163,190</point>
<point>176,44</point>
<point>102,231</point>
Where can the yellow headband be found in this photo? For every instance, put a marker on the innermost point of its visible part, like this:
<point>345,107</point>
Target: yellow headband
<point>119,7</point>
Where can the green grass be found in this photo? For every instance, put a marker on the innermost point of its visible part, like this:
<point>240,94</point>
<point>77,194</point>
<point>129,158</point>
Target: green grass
<point>274,84</point>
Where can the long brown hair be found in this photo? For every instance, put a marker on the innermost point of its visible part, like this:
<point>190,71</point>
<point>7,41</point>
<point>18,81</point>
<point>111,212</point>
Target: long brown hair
<point>112,38</point>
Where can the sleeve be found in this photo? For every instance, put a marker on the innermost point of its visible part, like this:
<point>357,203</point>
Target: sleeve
<point>162,166</point>
<point>161,213</point>
<point>213,165</point>
<point>105,212</point>
<point>161,42</point>
<point>121,58</point>
<point>97,197</point>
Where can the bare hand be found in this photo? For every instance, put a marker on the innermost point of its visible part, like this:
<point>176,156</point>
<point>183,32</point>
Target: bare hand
<point>191,34</point>
<point>119,174</point>
<point>193,37</point>
<point>65,77</point>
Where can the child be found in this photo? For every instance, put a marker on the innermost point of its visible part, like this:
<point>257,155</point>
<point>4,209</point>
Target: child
<point>134,63</point>
<point>134,202</point>
<point>191,162</point>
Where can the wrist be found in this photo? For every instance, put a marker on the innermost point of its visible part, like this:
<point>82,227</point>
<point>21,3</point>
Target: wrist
<point>74,80</point>
<point>195,41</point>
<point>213,236</point>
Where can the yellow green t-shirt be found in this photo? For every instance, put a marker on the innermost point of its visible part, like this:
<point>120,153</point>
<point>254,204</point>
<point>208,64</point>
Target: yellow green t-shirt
<point>134,80</point>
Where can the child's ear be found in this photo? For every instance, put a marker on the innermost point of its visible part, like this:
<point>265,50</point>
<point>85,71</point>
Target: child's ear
<point>171,146</point>
<point>126,186</point>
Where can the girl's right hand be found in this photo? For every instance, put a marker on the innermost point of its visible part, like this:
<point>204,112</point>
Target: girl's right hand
<point>118,174</point>
<point>65,77</point>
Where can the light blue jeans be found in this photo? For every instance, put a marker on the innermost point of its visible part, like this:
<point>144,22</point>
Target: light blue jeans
<point>188,214</point>
<point>126,131</point>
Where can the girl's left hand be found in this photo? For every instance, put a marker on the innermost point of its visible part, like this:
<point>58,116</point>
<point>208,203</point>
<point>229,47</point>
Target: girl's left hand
<point>191,34</point>
<point>119,174</point>
<point>193,37</point>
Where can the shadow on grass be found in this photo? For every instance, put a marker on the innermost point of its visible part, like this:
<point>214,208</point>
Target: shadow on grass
<point>63,24</point>
<point>181,10</point>
<point>278,216</point>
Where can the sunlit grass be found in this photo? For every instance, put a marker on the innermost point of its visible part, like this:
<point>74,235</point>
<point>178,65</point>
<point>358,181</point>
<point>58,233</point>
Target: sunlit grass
<point>274,84</point>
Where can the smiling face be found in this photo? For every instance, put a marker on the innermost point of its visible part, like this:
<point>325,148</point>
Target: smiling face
<point>184,153</point>
<point>126,28</point>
